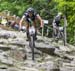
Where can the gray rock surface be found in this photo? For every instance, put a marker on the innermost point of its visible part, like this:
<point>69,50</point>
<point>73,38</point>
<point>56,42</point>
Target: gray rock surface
<point>16,55</point>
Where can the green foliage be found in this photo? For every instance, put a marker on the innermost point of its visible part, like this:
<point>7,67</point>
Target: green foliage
<point>46,8</point>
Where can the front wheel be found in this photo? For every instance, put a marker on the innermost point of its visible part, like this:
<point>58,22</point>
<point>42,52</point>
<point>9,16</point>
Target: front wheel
<point>63,37</point>
<point>32,45</point>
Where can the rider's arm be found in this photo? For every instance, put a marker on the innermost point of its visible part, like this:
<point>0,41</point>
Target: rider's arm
<point>41,21</point>
<point>54,21</point>
<point>20,23</point>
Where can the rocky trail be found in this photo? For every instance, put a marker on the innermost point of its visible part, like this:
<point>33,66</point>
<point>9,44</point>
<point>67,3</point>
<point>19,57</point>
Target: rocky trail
<point>16,55</point>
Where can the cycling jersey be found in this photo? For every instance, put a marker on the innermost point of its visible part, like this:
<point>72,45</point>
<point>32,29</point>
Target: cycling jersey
<point>57,20</point>
<point>27,17</point>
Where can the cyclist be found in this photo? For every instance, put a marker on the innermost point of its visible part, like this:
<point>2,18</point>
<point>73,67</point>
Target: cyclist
<point>30,14</point>
<point>56,23</point>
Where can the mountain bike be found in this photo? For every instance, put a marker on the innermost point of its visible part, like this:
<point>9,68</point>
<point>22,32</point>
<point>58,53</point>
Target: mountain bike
<point>60,35</point>
<point>32,38</point>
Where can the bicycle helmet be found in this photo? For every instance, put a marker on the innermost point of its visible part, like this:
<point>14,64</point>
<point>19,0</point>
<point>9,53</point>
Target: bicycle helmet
<point>30,10</point>
<point>59,13</point>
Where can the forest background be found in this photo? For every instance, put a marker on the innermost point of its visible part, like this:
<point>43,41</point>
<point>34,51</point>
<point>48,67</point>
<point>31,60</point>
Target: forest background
<point>47,10</point>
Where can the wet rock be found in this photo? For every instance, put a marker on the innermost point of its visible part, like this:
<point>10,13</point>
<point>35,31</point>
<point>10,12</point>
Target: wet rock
<point>18,54</point>
<point>67,67</point>
<point>45,48</point>
<point>3,67</point>
<point>7,34</point>
<point>13,69</point>
<point>47,66</point>
<point>3,70</point>
<point>4,47</point>
<point>6,60</point>
<point>17,43</point>
<point>3,41</point>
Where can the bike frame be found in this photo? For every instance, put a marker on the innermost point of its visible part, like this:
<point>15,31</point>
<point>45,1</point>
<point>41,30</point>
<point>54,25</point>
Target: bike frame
<point>31,39</point>
<point>60,34</point>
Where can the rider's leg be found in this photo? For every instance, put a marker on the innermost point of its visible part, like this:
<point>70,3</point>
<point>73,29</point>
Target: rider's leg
<point>55,31</point>
<point>57,28</point>
<point>35,30</point>
<point>27,31</point>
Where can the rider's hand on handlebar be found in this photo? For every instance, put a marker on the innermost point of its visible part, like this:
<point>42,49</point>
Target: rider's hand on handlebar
<point>41,26</point>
